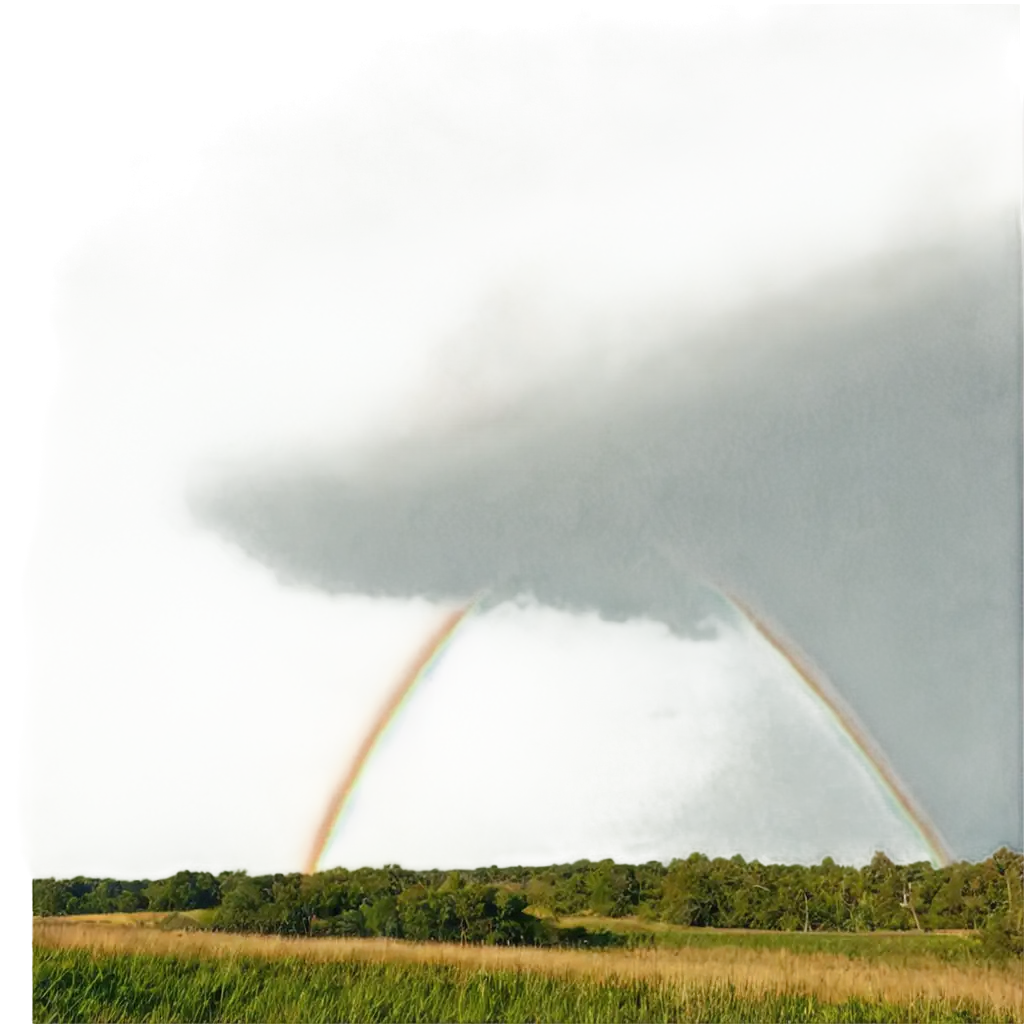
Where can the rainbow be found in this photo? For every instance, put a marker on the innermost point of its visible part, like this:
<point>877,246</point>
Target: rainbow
<point>420,667</point>
<point>843,717</point>
<point>431,652</point>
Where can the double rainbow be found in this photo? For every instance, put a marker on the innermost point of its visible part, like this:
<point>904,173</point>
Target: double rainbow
<point>431,652</point>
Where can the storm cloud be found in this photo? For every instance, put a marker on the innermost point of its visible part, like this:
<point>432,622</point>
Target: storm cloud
<point>597,341</point>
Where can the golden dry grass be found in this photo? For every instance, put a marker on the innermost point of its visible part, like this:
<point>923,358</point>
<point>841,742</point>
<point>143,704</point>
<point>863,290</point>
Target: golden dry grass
<point>753,972</point>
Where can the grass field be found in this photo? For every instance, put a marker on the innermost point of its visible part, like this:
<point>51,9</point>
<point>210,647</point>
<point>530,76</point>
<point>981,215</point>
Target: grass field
<point>127,967</point>
<point>903,948</point>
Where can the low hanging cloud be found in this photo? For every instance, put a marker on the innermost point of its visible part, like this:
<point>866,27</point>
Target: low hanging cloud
<point>579,399</point>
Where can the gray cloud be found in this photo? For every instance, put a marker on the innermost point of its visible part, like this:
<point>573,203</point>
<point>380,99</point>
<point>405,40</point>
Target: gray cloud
<point>396,340</point>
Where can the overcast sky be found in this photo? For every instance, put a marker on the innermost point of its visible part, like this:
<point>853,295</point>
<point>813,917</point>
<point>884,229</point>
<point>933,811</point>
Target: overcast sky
<point>353,316</point>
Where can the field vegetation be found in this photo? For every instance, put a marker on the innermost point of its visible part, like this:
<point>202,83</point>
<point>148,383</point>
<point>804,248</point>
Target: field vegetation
<point>531,905</point>
<point>145,970</point>
<point>698,939</point>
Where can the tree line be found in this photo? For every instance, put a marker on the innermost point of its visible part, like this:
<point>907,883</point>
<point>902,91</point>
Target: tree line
<point>518,905</point>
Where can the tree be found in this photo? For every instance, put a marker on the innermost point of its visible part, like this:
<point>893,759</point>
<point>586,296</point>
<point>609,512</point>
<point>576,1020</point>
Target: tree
<point>128,902</point>
<point>1002,937</point>
<point>157,895</point>
<point>512,926</point>
<point>241,904</point>
<point>489,904</point>
<point>603,890</point>
<point>687,896</point>
<point>1009,866</point>
<point>417,913</point>
<point>382,917</point>
<point>349,922</point>
<point>883,892</point>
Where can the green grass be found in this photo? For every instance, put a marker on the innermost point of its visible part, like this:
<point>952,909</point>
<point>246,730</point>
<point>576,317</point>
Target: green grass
<point>78,985</point>
<point>897,948</point>
<point>186,920</point>
<point>204,918</point>
<point>894,949</point>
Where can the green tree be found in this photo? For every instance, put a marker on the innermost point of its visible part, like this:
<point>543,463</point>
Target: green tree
<point>417,913</point>
<point>602,886</point>
<point>382,917</point>
<point>241,905</point>
<point>512,925</point>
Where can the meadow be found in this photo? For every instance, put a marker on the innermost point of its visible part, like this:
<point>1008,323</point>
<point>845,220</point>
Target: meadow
<point>698,939</point>
<point>960,946</point>
<point>161,967</point>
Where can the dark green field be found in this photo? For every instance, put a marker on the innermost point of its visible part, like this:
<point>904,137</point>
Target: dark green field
<point>895,948</point>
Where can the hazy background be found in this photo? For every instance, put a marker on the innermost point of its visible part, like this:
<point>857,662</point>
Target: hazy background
<point>406,305</point>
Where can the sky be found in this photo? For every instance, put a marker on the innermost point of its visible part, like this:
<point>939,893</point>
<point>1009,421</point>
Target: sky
<point>350,316</point>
